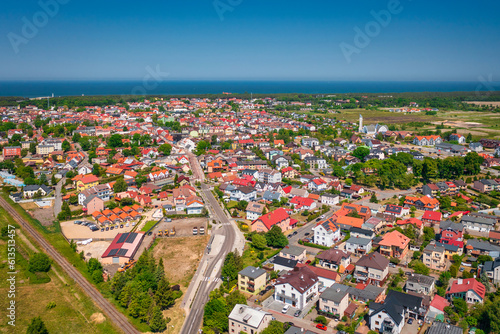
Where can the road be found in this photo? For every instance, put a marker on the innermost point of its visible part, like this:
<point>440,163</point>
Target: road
<point>112,313</point>
<point>58,195</point>
<point>210,265</point>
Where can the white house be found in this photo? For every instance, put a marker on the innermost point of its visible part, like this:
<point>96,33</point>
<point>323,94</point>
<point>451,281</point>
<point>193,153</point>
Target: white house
<point>326,233</point>
<point>84,170</point>
<point>297,287</point>
<point>358,245</point>
<point>330,199</point>
<point>246,319</point>
<point>317,185</point>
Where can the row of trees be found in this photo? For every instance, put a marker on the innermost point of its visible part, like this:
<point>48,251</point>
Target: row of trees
<point>144,291</point>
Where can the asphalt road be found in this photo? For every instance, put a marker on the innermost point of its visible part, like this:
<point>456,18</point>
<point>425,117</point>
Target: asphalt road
<point>194,319</point>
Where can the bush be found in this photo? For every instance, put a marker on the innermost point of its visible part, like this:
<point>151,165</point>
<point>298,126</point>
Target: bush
<point>39,262</point>
<point>321,320</point>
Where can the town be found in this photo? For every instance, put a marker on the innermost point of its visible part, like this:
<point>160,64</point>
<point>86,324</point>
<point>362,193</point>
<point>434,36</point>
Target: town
<point>264,215</point>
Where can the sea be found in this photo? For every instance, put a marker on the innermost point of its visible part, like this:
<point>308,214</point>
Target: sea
<point>31,89</point>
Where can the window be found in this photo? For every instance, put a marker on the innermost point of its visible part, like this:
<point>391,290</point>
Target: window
<point>377,323</point>
<point>379,316</point>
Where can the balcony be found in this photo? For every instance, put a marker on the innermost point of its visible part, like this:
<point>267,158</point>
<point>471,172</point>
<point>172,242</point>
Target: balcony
<point>283,297</point>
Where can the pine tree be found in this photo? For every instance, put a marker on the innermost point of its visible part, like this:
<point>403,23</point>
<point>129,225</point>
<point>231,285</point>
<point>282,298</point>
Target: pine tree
<point>160,271</point>
<point>164,296</point>
<point>134,308</point>
<point>125,296</point>
<point>37,327</point>
<point>157,322</point>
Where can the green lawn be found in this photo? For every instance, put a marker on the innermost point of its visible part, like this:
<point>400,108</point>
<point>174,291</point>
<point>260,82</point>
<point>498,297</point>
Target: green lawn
<point>251,256</point>
<point>34,291</point>
<point>148,225</point>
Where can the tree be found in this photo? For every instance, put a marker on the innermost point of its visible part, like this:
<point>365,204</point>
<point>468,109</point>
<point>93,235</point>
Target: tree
<point>73,200</point>
<point>419,267</point>
<point>165,149</point>
<point>232,265</point>
<point>373,198</point>
<point>275,327</point>
<point>460,306</point>
<point>321,320</point>
<point>259,241</point>
<point>39,262</point>
<point>361,152</point>
<point>157,322</point>
<point>115,140</point>
<point>66,146</point>
<point>96,169</point>
<point>37,326</point>
<point>242,205</point>
<point>275,237</point>
<point>120,186</point>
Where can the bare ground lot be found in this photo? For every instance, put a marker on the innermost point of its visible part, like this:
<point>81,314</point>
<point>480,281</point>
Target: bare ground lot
<point>484,103</point>
<point>181,257</point>
<point>94,249</point>
<point>183,227</point>
<point>45,216</point>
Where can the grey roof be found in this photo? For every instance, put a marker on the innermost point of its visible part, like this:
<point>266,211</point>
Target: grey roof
<point>448,224</point>
<point>298,330</point>
<point>373,260</point>
<point>293,250</point>
<point>368,233</point>
<point>442,328</point>
<point>334,294</point>
<point>478,220</point>
<point>359,241</point>
<point>246,314</point>
<point>433,248</point>
<point>283,261</point>
<point>252,272</point>
<point>421,279</point>
<point>482,245</point>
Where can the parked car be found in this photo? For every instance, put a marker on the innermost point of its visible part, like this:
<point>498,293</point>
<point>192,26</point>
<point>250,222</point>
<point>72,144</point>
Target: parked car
<point>121,226</point>
<point>102,229</point>
<point>410,321</point>
<point>321,326</point>
<point>462,269</point>
<point>306,234</point>
<point>297,313</point>
<point>285,308</point>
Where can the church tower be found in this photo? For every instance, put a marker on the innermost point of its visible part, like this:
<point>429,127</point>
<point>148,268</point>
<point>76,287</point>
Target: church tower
<point>360,123</point>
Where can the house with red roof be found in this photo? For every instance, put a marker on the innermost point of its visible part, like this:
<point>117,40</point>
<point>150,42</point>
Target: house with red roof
<point>469,289</point>
<point>279,217</point>
<point>417,223</point>
<point>432,218</point>
<point>437,306</point>
<point>303,203</point>
<point>123,248</point>
<point>317,185</point>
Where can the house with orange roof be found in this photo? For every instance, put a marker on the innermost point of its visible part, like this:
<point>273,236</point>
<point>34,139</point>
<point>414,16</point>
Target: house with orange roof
<point>422,203</point>
<point>87,181</point>
<point>427,140</point>
<point>417,223</point>
<point>394,244</point>
<point>348,208</point>
<point>346,222</point>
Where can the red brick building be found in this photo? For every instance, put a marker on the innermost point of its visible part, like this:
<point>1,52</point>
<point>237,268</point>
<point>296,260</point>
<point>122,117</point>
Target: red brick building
<point>11,152</point>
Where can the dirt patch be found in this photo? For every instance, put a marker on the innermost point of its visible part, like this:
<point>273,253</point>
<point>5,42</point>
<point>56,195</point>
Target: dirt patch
<point>29,206</point>
<point>181,257</point>
<point>97,318</point>
<point>472,132</point>
<point>183,227</point>
<point>484,103</point>
<point>44,216</point>
<point>459,124</point>
<point>176,314</point>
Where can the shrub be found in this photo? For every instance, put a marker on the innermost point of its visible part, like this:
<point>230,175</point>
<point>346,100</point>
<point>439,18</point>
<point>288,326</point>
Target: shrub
<point>321,320</point>
<point>39,262</point>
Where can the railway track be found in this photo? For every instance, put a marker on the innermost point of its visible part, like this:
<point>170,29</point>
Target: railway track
<point>113,314</point>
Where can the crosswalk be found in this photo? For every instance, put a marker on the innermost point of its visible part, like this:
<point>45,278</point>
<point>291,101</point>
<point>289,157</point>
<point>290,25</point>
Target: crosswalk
<point>211,279</point>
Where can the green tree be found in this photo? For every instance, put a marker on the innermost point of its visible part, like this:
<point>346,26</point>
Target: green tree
<point>460,306</point>
<point>115,140</point>
<point>275,327</point>
<point>66,146</point>
<point>37,326</point>
<point>120,186</point>
<point>275,237</point>
<point>39,262</point>
<point>373,198</point>
<point>361,152</point>
<point>259,241</point>
<point>96,169</point>
<point>165,149</point>
<point>157,322</point>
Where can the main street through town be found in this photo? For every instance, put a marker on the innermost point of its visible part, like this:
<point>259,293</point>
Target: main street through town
<point>209,270</point>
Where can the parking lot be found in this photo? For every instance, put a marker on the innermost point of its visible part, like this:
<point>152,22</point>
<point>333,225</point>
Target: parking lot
<point>79,232</point>
<point>183,227</point>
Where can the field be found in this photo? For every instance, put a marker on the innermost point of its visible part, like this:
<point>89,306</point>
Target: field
<point>250,256</point>
<point>148,225</point>
<point>181,256</point>
<point>74,312</point>
<point>379,116</point>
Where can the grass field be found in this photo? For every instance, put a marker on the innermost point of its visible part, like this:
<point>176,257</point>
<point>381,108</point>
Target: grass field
<point>73,310</point>
<point>148,225</point>
<point>250,255</point>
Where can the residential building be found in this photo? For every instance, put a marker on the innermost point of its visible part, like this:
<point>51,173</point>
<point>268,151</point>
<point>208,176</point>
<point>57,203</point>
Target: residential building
<point>492,270</point>
<point>334,259</point>
<point>11,152</point>
<point>468,289</point>
<point>93,204</point>
<point>103,191</point>
<point>330,199</point>
<point>433,256</point>
<point>86,182</point>
<point>333,302</point>
<point>279,217</point>
<point>438,327</point>
<point>248,320</point>
<point>394,244</point>
<point>32,190</point>
<point>297,287</point>
<point>422,203</point>
<point>421,284</point>
<point>477,247</point>
<point>478,224</point>
<point>486,185</point>
<point>268,176</point>
<point>284,264</point>
<point>252,279</point>
<point>451,230</point>
<point>358,246</point>
<point>372,268</point>
<point>396,210</point>
<point>254,210</point>
<point>427,140</point>
<point>326,233</point>
<point>294,253</point>
<point>432,218</point>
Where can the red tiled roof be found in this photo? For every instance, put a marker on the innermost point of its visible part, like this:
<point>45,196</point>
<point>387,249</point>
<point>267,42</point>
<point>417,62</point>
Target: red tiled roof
<point>272,218</point>
<point>432,215</point>
<point>464,285</point>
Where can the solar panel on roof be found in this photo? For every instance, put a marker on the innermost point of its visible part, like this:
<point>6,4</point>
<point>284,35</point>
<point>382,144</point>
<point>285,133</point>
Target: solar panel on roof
<point>113,252</point>
<point>131,238</point>
<point>122,238</point>
<point>122,252</point>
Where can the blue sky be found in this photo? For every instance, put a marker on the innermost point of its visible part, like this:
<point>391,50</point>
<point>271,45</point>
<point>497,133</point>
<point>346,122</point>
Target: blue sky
<point>261,40</point>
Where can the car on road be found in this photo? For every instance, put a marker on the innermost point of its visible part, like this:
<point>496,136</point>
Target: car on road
<point>306,234</point>
<point>289,236</point>
<point>289,323</point>
<point>410,321</point>
<point>321,326</point>
<point>285,309</point>
<point>102,229</point>
<point>318,219</point>
<point>295,233</point>
<point>297,313</point>
<point>322,217</point>
<point>392,265</point>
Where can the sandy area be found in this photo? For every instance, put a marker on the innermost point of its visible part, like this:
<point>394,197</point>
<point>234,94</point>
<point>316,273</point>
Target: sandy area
<point>94,249</point>
<point>79,232</point>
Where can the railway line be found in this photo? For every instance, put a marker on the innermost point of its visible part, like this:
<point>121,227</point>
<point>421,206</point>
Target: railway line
<point>113,314</point>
